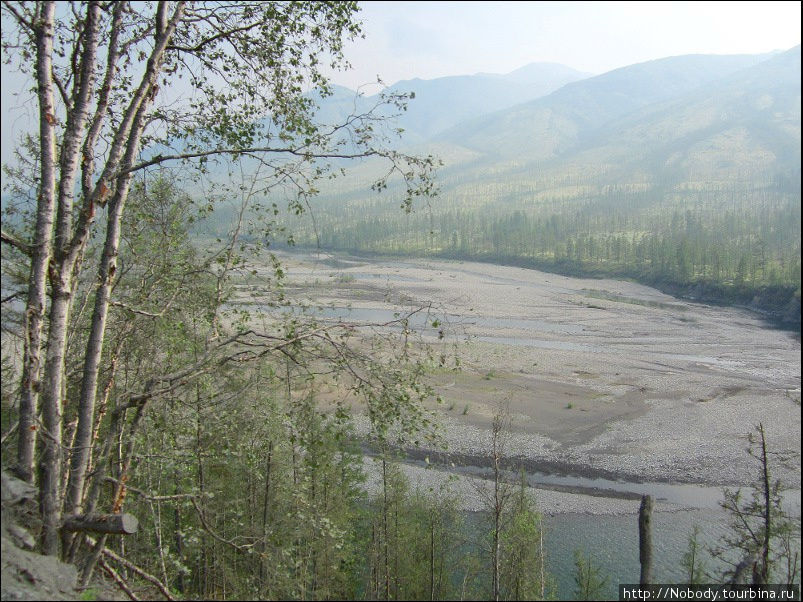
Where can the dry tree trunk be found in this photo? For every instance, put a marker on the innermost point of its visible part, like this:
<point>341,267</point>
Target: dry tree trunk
<point>645,539</point>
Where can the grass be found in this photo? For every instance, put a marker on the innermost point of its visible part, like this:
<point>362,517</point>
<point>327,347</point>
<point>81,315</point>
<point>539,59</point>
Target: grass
<point>343,278</point>
<point>598,294</point>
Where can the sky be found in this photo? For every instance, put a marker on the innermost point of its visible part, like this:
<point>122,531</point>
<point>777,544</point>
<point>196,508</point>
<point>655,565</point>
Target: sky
<point>404,40</point>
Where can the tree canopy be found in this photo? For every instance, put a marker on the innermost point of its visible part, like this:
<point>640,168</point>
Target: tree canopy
<point>132,95</point>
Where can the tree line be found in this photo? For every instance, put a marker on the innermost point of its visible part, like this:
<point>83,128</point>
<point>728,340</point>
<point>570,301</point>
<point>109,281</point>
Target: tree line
<point>731,243</point>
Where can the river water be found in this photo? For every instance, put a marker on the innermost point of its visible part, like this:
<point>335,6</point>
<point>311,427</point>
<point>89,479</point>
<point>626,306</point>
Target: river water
<point>612,543</point>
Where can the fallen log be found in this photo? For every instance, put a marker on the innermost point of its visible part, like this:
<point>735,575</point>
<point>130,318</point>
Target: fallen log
<point>113,524</point>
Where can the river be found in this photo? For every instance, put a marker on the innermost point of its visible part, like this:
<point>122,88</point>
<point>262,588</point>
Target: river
<point>615,390</point>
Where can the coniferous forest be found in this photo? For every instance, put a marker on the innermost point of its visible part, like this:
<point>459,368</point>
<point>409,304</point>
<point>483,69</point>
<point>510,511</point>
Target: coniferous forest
<point>734,243</point>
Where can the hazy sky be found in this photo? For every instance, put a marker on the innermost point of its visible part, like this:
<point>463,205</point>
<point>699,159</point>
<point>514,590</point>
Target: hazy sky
<point>433,39</point>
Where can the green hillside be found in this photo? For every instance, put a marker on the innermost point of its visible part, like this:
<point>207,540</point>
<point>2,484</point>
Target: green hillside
<point>682,172</point>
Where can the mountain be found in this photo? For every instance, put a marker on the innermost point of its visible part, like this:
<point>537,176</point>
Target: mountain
<point>746,122</point>
<point>657,128</point>
<point>442,103</point>
<point>446,101</point>
<point>544,75</point>
<point>549,126</point>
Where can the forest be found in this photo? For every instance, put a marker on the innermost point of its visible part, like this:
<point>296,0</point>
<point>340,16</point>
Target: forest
<point>171,444</point>
<point>733,243</point>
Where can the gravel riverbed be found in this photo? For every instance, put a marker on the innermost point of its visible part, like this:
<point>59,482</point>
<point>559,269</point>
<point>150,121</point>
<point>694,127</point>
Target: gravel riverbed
<point>600,377</point>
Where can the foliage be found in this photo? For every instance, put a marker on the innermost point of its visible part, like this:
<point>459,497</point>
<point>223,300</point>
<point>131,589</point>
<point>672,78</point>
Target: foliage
<point>692,563</point>
<point>122,313</point>
<point>417,548</point>
<point>759,546</point>
<point>522,574</point>
<point>590,581</point>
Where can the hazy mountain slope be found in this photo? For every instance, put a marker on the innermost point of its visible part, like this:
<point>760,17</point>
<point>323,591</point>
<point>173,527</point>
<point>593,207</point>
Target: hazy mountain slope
<point>546,127</point>
<point>444,102</point>
<point>717,119</point>
<point>543,76</point>
<point>747,122</point>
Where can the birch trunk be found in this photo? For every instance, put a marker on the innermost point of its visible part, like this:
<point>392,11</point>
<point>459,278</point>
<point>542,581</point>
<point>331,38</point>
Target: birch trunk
<point>62,277</point>
<point>37,289</point>
<point>108,265</point>
<point>68,249</point>
<point>50,465</point>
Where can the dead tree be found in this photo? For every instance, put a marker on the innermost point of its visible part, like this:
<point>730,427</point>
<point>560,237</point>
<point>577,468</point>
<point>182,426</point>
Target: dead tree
<point>645,539</point>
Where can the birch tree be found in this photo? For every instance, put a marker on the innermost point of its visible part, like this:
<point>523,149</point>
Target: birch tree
<point>125,88</point>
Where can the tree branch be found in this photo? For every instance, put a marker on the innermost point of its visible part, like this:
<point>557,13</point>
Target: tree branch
<point>18,16</point>
<point>211,39</point>
<point>153,498</point>
<point>240,548</point>
<point>117,579</point>
<point>134,568</point>
<point>159,159</point>
<point>16,242</point>
<point>141,312</point>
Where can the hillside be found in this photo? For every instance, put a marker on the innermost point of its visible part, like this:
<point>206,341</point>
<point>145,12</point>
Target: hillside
<point>747,122</point>
<point>550,126</point>
<point>442,103</point>
<point>682,172</point>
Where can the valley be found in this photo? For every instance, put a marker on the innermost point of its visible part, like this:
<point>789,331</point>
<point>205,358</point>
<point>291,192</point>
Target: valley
<point>502,329</point>
<point>614,390</point>
<point>602,378</point>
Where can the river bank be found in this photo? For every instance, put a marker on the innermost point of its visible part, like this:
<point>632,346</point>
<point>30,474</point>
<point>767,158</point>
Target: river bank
<point>601,378</point>
<point>777,306</point>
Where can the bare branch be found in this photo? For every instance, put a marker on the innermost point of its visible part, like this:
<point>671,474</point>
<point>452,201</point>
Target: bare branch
<point>135,569</point>
<point>10,432</point>
<point>153,498</point>
<point>141,312</point>
<point>19,16</point>
<point>16,243</point>
<point>306,154</point>
<point>223,34</point>
<point>244,548</point>
<point>117,579</point>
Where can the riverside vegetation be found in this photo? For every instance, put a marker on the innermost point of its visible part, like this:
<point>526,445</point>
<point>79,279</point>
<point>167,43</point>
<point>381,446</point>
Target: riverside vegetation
<point>134,389</point>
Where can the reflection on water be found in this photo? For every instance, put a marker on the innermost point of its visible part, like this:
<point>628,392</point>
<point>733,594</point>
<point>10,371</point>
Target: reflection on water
<point>612,543</point>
